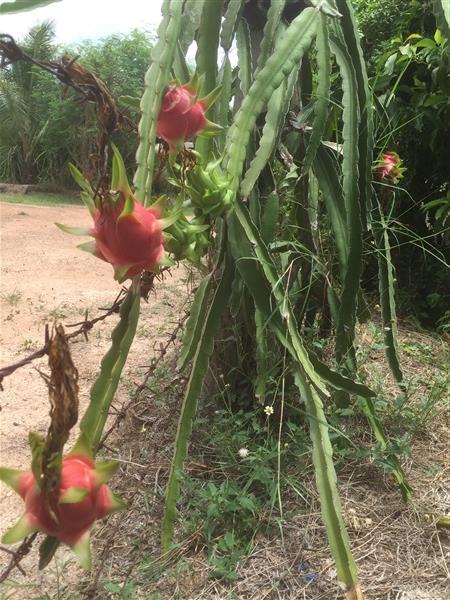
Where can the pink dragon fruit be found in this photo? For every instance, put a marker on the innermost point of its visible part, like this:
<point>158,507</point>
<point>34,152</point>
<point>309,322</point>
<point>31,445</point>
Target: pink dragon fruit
<point>182,114</point>
<point>389,167</point>
<point>131,241</point>
<point>68,512</point>
<point>126,234</point>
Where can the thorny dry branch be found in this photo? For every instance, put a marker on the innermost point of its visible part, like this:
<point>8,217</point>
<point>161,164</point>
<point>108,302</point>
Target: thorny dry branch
<point>63,395</point>
<point>17,556</point>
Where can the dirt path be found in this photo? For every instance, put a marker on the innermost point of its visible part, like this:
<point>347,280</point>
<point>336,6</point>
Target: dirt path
<point>43,278</point>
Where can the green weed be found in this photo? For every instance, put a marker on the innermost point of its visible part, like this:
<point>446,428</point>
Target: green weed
<point>13,298</point>
<point>251,466</point>
<point>41,199</point>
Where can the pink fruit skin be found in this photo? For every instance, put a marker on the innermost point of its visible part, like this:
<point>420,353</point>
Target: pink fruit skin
<point>134,240</point>
<point>180,117</point>
<point>390,161</point>
<point>72,520</point>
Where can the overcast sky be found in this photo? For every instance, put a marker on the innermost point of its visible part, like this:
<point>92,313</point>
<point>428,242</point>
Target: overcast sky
<point>76,20</point>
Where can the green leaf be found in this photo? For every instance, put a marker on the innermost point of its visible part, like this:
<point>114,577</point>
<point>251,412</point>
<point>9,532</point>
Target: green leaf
<point>386,276</point>
<point>23,5</point>
<point>87,194</point>
<point>119,180</point>
<point>19,531</point>
<point>276,112</point>
<point>117,504</point>
<point>244,55</point>
<point>351,39</point>
<point>104,388</point>
<point>270,33</point>
<point>441,9</point>
<point>339,381</point>
<point>74,230</point>
<point>328,7</point>
<point>121,272</point>
<point>82,551</point>
<point>282,301</point>
<point>288,53</point>
<point>190,22</point>
<point>88,202</point>
<point>11,477</point>
<point>105,470</point>
<point>180,67</point>
<point>210,99</point>
<point>263,296</point>
<point>345,327</point>
<point>47,551</point>
<point>199,369</point>
<point>81,180</point>
<point>322,93</point>
<point>324,168</point>
<point>88,247</point>
<point>37,444</point>
<point>73,495</point>
<point>326,481</point>
<point>368,408</point>
<point>156,80</point>
<point>262,357</point>
<point>206,57</point>
<point>223,105</point>
<point>82,447</point>
<point>131,102</point>
<point>269,218</point>
<point>194,325</point>
<point>231,18</point>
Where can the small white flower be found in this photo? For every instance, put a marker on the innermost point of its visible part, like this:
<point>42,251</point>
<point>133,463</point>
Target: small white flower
<point>243,452</point>
<point>268,410</point>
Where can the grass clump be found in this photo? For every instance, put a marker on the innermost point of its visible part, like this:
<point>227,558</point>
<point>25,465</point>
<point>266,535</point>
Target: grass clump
<point>41,199</point>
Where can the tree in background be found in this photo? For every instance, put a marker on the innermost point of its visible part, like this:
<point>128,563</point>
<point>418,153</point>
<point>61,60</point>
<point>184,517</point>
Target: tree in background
<point>44,127</point>
<point>21,104</point>
<point>409,58</point>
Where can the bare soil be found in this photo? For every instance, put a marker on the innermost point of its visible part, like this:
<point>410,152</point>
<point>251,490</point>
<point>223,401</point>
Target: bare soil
<point>45,278</point>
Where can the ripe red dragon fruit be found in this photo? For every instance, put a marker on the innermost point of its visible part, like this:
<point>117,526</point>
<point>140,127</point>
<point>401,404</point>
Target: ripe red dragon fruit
<point>182,114</point>
<point>131,241</point>
<point>126,234</point>
<point>68,512</point>
<point>389,167</point>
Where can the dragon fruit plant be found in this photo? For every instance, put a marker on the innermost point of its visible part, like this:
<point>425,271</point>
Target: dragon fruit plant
<point>239,209</point>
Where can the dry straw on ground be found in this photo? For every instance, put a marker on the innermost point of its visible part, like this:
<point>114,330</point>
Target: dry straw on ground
<point>401,553</point>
